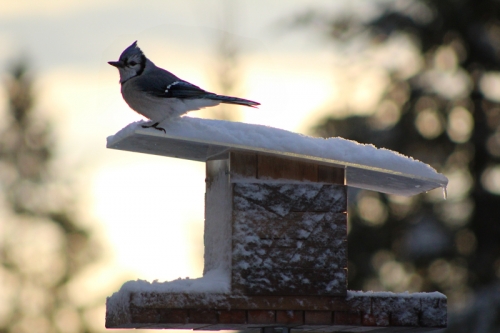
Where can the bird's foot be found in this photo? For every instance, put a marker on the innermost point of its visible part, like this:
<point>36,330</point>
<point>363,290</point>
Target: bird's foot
<point>155,126</point>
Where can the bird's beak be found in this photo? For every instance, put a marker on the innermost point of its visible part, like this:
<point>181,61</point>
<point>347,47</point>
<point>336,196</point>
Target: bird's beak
<point>117,64</point>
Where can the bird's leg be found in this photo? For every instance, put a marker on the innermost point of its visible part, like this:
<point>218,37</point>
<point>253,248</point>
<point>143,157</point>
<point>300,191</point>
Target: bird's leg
<point>155,126</point>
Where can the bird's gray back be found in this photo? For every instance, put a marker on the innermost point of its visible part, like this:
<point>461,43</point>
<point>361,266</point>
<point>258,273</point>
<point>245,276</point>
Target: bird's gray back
<point>154,80</point>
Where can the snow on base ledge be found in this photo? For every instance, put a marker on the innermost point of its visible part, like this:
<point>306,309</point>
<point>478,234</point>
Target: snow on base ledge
<point>215,282</point>
<point>406,294</point>
<point>214,311</point>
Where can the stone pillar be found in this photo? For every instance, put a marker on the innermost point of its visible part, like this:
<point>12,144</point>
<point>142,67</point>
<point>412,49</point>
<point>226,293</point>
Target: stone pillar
<point>277,226</point>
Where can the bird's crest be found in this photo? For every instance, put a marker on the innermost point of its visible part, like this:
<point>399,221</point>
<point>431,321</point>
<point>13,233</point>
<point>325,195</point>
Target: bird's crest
<point>131,52</point>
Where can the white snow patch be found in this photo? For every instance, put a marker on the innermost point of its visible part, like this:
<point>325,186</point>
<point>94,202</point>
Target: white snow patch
<point>406,294</point>
<point>215,281</point>
<point>213,285</point>
<point>236,134</point>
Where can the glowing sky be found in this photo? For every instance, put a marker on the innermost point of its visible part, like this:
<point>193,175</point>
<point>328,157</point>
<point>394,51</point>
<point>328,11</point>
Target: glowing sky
<point>150,209</point>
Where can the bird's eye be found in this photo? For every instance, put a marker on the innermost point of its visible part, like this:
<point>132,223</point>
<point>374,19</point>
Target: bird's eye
<point>132,63</point>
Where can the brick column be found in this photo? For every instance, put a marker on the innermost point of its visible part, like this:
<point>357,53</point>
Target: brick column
<point>287,225</point>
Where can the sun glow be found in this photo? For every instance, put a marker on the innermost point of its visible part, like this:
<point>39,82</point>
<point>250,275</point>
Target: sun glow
<point>153,209</point>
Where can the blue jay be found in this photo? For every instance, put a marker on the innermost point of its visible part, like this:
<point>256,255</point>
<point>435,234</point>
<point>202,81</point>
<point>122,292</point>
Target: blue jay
<point>158,94</point>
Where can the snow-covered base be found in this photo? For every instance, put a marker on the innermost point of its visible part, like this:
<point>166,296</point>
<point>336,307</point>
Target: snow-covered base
<point>357,293</point>
<point>214,283</point>
<point>144,305</point>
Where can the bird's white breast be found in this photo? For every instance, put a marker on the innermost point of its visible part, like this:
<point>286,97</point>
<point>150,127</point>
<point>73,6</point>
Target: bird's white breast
<point>158,108</point>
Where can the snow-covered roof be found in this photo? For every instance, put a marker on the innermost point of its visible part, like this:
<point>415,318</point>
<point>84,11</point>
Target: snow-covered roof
<point>197,139</point>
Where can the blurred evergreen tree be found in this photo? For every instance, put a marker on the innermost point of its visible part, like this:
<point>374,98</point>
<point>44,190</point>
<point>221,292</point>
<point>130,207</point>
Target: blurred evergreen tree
<point>445,112</point>
<point>43,243</point>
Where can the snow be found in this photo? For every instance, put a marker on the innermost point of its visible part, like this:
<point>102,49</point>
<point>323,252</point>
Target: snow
<point>219,248</point>
<point>215,281</point>
<point>356,293</point>
<point>214,285</point>
<point>405,309</point>
<point>280,232</point>
<point>235,134</point>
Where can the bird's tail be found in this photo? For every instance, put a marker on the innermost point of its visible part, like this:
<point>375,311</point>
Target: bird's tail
<point>234,100</point>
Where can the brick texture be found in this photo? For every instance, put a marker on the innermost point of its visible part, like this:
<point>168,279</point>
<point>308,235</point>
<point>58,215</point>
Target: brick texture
<point>173,316</point>
<point>347,318</point>
<point>298,230</point>
<point>434,312</point>
<point>203,316</point>
<point>232,317</point>
<point>241,312</point>
<point>261,317</point>
<point>318,317</point>
<point>140,315</point>
<point>290,317</point>
<point>381,319</point>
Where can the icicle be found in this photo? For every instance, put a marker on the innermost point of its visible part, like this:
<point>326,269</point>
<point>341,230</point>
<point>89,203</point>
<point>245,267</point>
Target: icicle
<point>445,192</point>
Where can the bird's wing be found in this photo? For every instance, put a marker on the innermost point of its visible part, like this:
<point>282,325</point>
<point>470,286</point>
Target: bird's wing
<point>166,85</point>
<point>183,89</point>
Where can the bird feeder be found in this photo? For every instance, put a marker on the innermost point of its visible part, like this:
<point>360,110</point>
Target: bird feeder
<point>275,234</point>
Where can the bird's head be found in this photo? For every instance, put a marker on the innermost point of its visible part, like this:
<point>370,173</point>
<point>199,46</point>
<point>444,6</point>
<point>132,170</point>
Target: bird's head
<point>131,63</point>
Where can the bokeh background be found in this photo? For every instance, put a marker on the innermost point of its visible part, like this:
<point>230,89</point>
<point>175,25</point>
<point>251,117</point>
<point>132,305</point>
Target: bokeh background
<point>77,220</point>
